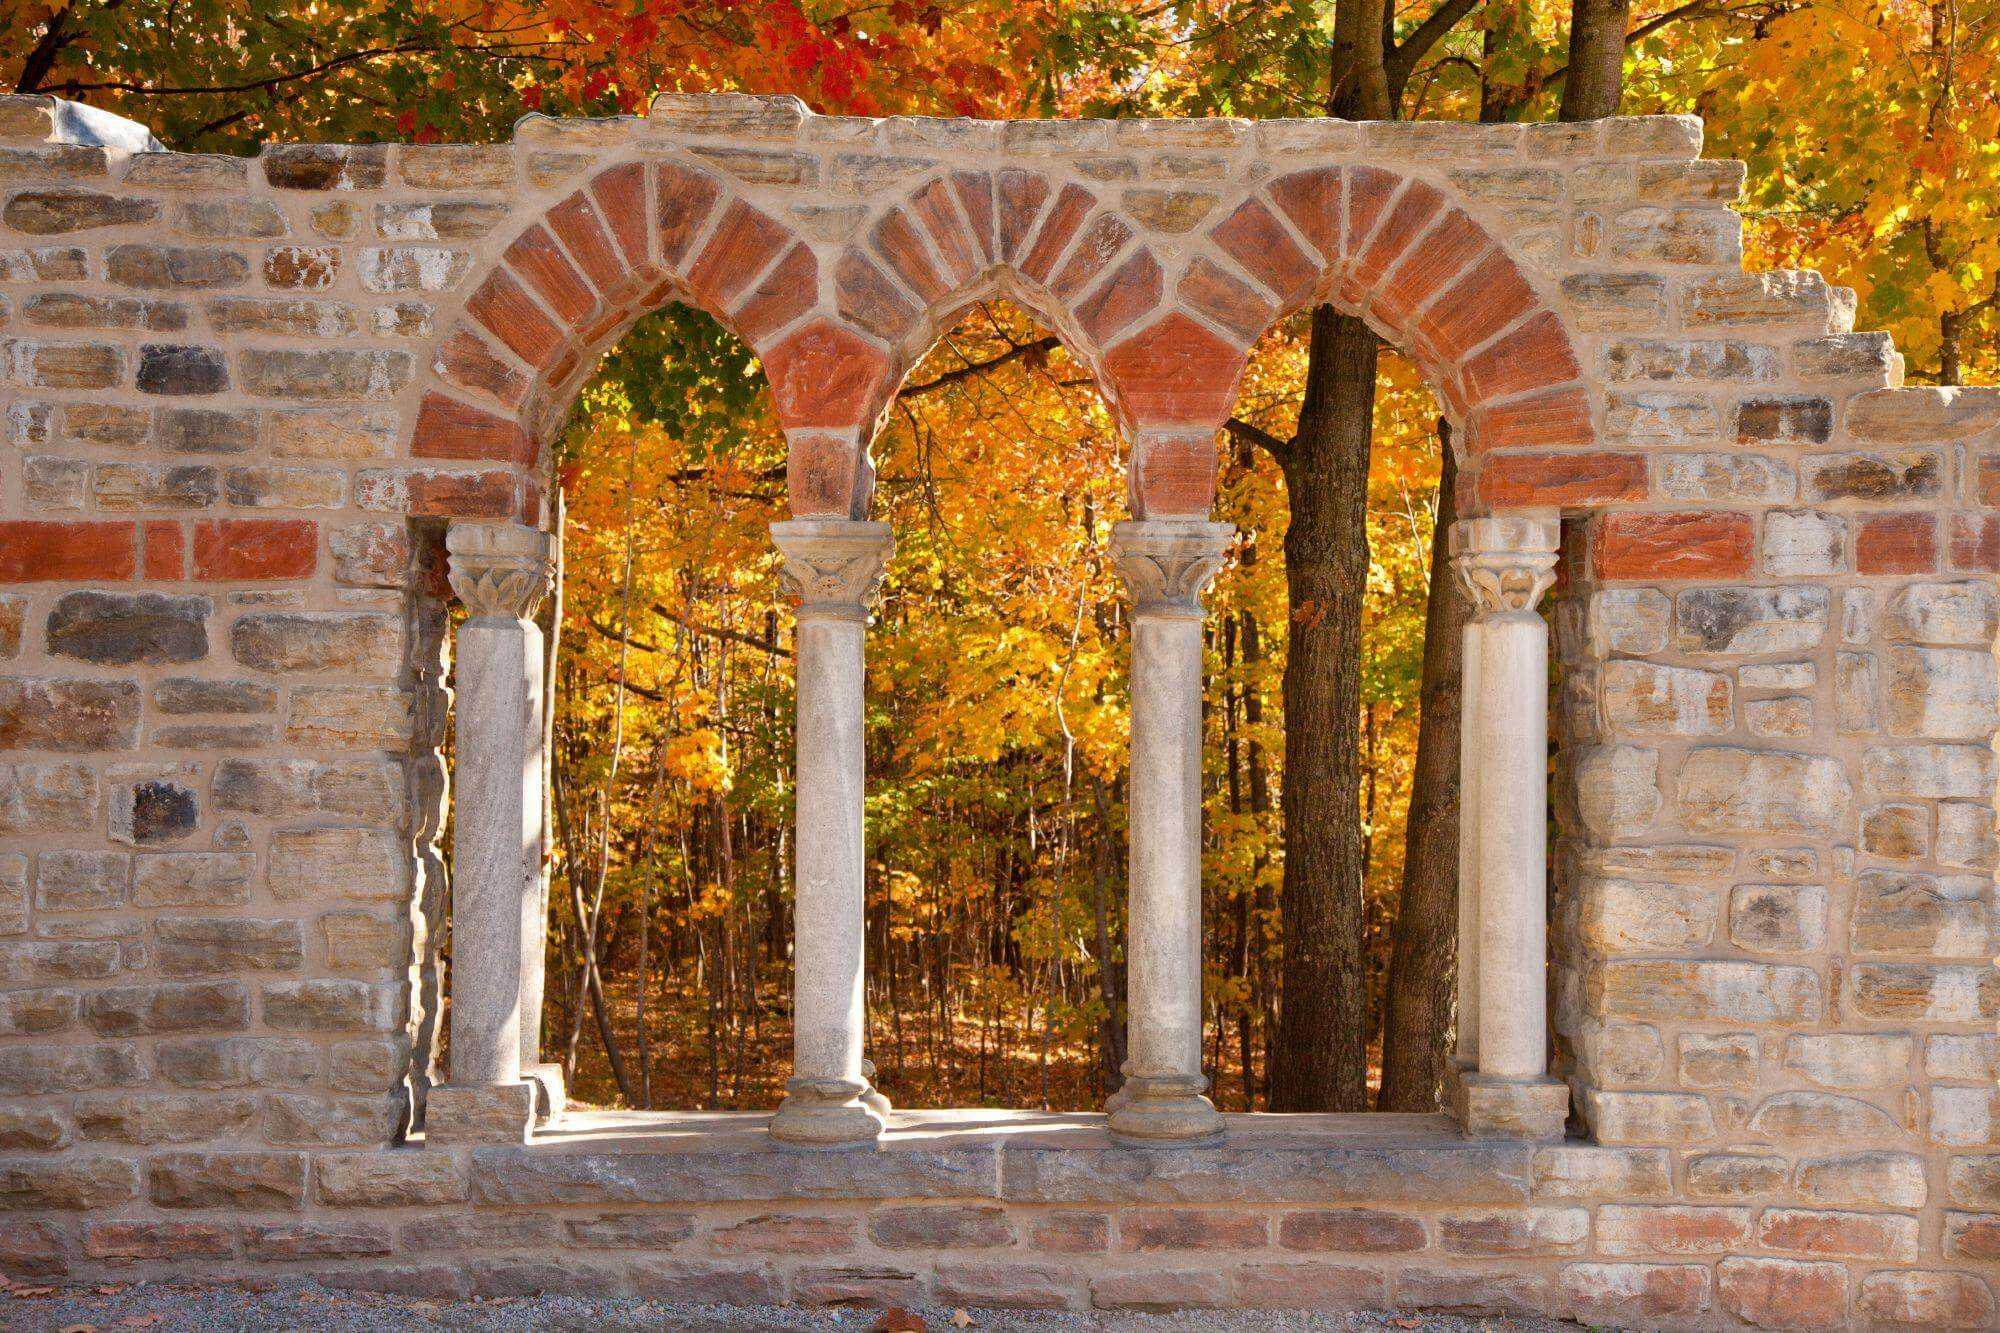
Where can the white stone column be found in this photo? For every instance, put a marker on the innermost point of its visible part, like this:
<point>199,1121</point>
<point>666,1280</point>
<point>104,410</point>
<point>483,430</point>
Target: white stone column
<point>501,572</point>
<point>832,567</point>
<point>1506,563</point>
<point>1468,857</point>
<point>1167,565</point>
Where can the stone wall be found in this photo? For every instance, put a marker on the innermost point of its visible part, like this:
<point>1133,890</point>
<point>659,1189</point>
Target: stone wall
<point>244,396</point>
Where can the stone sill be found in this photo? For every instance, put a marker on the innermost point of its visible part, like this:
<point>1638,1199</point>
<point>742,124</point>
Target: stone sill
<point>602,1157</point>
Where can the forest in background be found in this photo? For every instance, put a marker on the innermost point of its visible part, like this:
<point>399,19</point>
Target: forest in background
<point>996,660</point>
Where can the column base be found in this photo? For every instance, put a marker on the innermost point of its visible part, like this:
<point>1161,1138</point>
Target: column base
<point>829,1113</point>
<point>550,1094</point>
<point>1163,1110</point>
<point>1507,1108</point>
<point>872,1096</point>
<point>456,1113</point>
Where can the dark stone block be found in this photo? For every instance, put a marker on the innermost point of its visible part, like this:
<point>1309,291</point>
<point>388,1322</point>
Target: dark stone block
<point>184,695</point>
<point>121,629</point>
<point>201,430</point>
<point>181,370</point>
<point>160,811</point>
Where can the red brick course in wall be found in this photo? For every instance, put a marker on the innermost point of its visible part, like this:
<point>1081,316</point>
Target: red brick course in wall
<point>244,397</point>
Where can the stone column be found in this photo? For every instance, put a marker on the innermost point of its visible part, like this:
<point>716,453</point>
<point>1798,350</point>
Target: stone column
<point>501,572</point>
<point>1506,563</point>
<point>832,567</point>
<point>1167,564</point>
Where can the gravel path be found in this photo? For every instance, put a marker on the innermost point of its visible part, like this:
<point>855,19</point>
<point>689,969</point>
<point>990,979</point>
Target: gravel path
<point>165,1308</point>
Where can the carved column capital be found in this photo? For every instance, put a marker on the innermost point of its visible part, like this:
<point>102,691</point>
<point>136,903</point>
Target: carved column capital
<point>1505,561</point>
<point>499,570</point>
<point>1167,563</point>
<point>832,566</point>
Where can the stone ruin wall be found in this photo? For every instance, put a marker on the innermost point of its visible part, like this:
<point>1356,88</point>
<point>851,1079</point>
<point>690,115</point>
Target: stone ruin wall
<point>242,397</point>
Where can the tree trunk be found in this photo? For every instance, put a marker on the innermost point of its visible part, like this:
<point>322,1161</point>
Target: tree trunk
<point>1321,1059</point>
<point>1418,993</point>
<point>1595,80</point>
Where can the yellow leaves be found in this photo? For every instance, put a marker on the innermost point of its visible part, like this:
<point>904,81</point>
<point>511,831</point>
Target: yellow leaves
<point>697,758</point>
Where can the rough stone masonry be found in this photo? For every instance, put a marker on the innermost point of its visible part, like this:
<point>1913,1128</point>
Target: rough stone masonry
<point>243,398</point>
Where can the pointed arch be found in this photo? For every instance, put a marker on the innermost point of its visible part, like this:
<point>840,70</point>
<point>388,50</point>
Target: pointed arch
<point>633,237</point>
<point>1428,275</point>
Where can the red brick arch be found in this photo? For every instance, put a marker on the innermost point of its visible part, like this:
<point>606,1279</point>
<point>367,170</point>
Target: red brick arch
<point>1062,249</point>
<point>632,238</point>
<point>1397,251</point>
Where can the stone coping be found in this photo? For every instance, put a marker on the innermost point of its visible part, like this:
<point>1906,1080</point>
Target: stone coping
<point>1019,1156</point>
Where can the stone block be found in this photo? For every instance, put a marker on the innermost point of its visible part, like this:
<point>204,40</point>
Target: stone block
<point>1964,612</point>
<point>69,716</point>
<point>1016,1286</point>
<point>1307,1286</point>
<point>1623,916</point>
<point>1712,992</point>
<point>1515,1231</point>
<point>247,1181</point>
<point>68,1183</point>
<point>192,879</point>
<point>1645,698</point>
<point>1821,1117</point>
<point>150,1119</point>
<point>1589,1172</point>
<point>1927,1299</point>
<point>351,717</point>
<point>32,1129</point>
<point>136,1240</point>
<point>787,1233</point>
<point>1736,1175</point>
<point>178,1007</point>
<point>1499,1108</point>
<point>1783,1293</point>
<point>1746,621</point>
<point>1353,1230</point>
<point>78,881</point>
<point>1160,1290</point>
<point>352,863</point>
<point>1849,1060</point>
<point>1070,1231</point>
<point>1777,918</point>
<point>315,1120</point>
<point>627,1231</point>
<point>1923,992</point>
<point>321,642</point>
<point>463,1113</point>
<point>877,1285</point>
<point>1898,912</point>
<point>390,1178</point>
<point>1634,1294</point>
<point>940,1227</point>
<point>329,1005</point>
<point>1829,1233</point>
<point>1864,1180</point>
<point>1683,1229</point>
<point>1718,1060</point>
<point>1726,789</point>
<point>192,946</point>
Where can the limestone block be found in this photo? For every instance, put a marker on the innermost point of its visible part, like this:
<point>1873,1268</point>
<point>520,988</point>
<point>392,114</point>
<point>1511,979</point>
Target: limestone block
<point>1644,698</point>
<point>1849,1060</point>
<point>1728,789</point>
<point>1623,916</point>
<point>1941,693</point>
